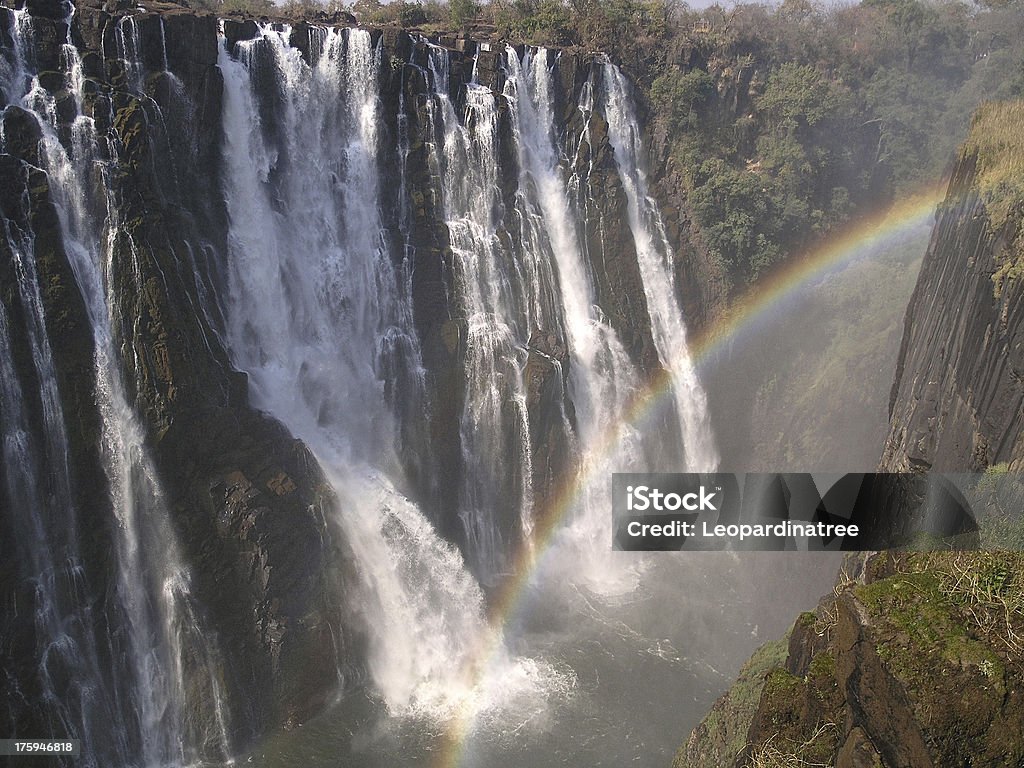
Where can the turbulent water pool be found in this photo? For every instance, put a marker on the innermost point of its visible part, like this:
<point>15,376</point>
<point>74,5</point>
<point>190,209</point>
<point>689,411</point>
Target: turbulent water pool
<point>627,676</point>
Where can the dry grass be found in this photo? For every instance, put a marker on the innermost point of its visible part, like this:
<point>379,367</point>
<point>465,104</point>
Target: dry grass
<point>997,139</point>
<point>770,755</point>
<point>989,586</point>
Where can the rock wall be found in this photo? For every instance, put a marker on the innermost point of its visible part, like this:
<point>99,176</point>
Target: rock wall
<point>248,502</point>
<point>956,401</point>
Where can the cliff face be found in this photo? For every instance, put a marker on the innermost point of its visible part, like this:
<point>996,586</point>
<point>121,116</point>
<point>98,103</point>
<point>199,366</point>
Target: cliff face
<point>914,660</point>
<point>956,401</point>
<point>246,500</point>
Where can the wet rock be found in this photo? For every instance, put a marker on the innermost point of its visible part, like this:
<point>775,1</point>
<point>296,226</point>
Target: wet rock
<point>49,36</point>
<point>50,9</point>
<point>236,31</point>
<point>22,135</point>
<point>609,243</point>
<point>26,204</point>
<point>299,39</point>
<point>551,414</point>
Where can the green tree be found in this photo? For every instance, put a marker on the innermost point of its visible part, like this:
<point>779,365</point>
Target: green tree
<point>461,12</point>
<point>676,94</point>
<point>798,95</point>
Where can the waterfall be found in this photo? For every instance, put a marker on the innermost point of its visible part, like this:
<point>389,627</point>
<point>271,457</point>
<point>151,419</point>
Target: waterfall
<point>501,308</point>
<point>38,482</point>
<point>141,712</point>
<point>309,287</point>
<point>602,378</point>
<point>315,297</point>
<point>655,254</point>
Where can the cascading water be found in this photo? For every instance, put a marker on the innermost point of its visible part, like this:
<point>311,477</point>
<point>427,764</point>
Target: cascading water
<point>38,482</point>
<point>654,254</point>
<point>141,715</point>
<point>314,295</point>
<point>602,378</point>
<point>501,309</point>
<point>317,307</point>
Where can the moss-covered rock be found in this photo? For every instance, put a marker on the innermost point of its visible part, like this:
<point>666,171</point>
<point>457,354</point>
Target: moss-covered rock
<point>917,665</point>
<point>722,736</point>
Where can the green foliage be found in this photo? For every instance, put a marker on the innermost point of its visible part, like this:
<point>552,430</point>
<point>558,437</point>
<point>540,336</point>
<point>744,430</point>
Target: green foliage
<point>998,496</point>
<point>1016,87</point>
<point>537,21</point>
<point>461,12</point>
<point>847,107</point>
<point>677,94</point>
<point>297,9</point>
<point>411,14</point>
<point>798,96</point>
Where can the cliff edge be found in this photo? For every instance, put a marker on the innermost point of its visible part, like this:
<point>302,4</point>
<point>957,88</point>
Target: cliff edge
<point>915,659</point>
<point>956,402</point>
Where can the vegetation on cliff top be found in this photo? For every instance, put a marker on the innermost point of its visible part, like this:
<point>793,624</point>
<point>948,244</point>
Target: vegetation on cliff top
<point>996,142</point>
<point>869,673</point>
<point>781,122</point>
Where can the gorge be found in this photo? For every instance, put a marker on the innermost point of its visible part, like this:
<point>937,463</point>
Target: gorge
<point>287,313</point>
<point>319,344</point>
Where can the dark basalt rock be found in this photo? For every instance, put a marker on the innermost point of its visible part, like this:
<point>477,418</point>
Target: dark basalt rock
<point>958,395</point>
<point>48,35</point>
<point>22,135</point>
<point>27,207</point>
<point>252,511</point>
<point>236,31</point>
<point>609,242</point>
<point>551,414</point>
<point>49,9</point>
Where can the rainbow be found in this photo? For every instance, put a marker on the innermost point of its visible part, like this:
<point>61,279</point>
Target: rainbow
<point>766,296</point>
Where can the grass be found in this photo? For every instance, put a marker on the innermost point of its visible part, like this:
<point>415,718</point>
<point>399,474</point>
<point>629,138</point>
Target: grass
<point>989,586</point>
<point>772,755</point>
<point>996,139</point>
<point>986,586</point>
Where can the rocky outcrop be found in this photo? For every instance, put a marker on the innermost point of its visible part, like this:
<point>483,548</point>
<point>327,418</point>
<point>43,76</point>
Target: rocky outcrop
<point>867,678</point>
<point>957,400</point>
<point>608,242</point>
<point>551,417</point>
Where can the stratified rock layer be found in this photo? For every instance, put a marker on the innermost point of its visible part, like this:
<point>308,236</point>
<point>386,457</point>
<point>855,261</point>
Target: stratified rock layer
<point>957,399</point>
